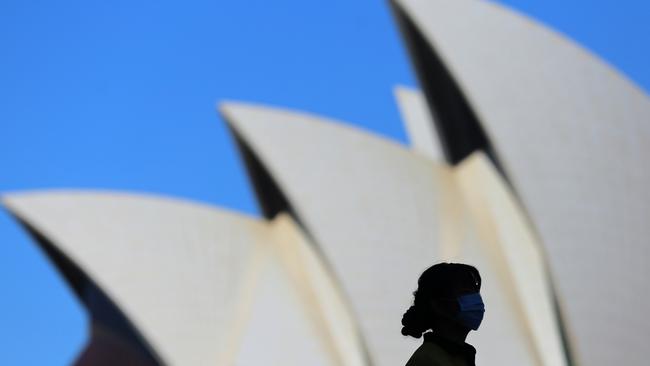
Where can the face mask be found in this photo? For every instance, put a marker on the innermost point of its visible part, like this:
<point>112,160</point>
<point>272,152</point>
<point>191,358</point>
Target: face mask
<point>471,310</point>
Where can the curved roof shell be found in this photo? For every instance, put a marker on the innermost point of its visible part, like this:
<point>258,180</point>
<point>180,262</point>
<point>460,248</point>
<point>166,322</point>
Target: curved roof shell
<point>381,215</point>
<point>195,284</point>
<point>572,136</point>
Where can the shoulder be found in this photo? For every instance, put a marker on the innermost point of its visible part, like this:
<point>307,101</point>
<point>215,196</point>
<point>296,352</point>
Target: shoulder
<point>428,354</point>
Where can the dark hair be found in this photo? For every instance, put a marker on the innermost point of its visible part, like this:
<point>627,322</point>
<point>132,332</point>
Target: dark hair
<point>438,281</point>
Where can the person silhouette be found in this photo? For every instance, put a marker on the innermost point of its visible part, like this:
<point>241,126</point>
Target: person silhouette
<point>447,302</point>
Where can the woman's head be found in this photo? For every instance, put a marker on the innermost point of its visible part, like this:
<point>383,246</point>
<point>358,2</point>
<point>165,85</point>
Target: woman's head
<point>443,291</point>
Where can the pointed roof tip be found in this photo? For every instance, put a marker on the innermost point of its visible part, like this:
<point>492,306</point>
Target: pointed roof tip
<point>16,202</point>
<point>226,103</point>
<point>398,89</point>
<point>232,111</point>
<point>11,200</point>
<point>16,198</point>
<point>231,105</point>
<point>236,112</point>
<point>225,106</point>
<point>401,90</point>
<point>5,198</point>
<point>6,201</point>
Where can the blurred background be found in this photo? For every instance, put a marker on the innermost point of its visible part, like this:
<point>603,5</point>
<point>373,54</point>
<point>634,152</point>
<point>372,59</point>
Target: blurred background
<point>121,95</point>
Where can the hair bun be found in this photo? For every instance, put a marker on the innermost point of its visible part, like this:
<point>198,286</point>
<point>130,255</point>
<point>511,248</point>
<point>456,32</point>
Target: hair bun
<point>414,322</point>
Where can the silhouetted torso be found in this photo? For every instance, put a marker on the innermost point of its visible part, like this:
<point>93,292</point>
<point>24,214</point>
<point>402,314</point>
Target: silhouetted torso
<point>437,351</point>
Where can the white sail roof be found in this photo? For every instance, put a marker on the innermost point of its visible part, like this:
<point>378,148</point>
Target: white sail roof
<point>173,267</point>
<point>381,215</point>
<point>372,207</point>
<point>573,136</point>
<point>202,285</point>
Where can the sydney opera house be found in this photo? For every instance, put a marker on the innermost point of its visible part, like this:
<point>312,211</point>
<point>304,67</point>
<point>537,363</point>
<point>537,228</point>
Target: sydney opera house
<point>526,159</point>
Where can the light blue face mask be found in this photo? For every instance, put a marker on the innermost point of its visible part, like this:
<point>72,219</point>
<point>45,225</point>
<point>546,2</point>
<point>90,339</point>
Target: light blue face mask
<point>471,310</point>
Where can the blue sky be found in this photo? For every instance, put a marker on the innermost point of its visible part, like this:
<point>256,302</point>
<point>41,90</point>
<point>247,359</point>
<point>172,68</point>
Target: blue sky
<point>121,94</point>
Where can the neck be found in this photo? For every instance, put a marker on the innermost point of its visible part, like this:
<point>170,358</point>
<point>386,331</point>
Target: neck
<point>452,332</point>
